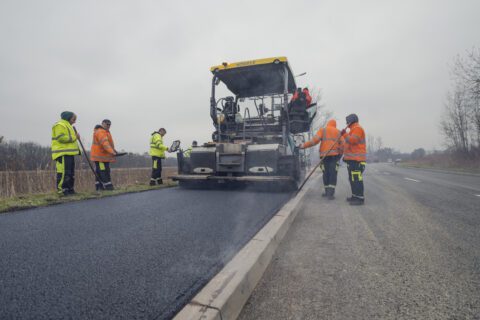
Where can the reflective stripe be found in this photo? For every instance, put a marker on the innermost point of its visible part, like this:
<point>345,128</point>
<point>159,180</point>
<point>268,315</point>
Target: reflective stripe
<point>101,165</point>
<point>64,150</point>
<point>59,136</point>
<point>155,164</point>
<point>354,154</point>
<point>94,158</point>
<point>357,173</point>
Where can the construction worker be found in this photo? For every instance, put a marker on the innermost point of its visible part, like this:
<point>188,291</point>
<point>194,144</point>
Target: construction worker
<point>188,152</point>
<point>331,144</point>
<point>103,153</point>
<point>355,155</point>
<point>157,151</point>
<point>64,148</point>
<point>302,94</point>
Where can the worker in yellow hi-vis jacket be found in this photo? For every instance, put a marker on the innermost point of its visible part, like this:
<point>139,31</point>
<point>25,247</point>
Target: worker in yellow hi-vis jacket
<point>157,151</point>
<point>64,148</point>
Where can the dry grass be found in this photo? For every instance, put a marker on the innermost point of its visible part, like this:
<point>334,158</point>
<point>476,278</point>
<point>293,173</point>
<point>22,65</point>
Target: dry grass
<point>19,183</point>
<point>446,162</point>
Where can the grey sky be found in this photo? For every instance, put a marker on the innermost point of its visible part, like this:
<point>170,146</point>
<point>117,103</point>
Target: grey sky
<point>145,64</point>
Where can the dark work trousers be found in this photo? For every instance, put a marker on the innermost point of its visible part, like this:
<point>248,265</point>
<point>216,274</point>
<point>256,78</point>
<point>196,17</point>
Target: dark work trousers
<point>103,172</point>
<point>65,166</point>
<point>156,171</point>
<point>355,176</point>
<point>330,168</point>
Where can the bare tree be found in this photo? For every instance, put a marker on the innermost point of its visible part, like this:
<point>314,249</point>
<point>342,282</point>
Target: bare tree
<point>322,114</point>
<point>466,72</point>
<point>455,122</point>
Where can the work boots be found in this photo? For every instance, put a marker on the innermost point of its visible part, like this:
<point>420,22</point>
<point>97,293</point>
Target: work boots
<point>356,201</point>
<point>154,182</point>
<point>329,193</point>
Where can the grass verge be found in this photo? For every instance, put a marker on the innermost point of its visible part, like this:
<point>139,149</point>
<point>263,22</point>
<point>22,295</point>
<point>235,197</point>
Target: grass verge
<point>47,199</point>
<point>440,168</point>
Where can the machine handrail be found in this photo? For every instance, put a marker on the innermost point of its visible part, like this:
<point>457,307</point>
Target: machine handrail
<point>244,119</point>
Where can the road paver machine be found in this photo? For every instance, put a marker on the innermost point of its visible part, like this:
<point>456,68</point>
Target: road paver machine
<point>253,144</point>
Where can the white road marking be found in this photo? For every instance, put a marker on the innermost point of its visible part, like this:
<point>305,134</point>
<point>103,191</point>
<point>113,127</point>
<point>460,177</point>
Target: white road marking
<point>386,172</point>
<point>478,195</point>
<point>412,179</point>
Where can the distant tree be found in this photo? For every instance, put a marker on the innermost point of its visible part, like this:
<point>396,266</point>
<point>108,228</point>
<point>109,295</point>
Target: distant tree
<point>466,71</point>
<point>15,156</point>
<point>455,122</point>
<point>384,154</point>
<point>460,123</point>
<point>418,153</point>
<point>322,114</point>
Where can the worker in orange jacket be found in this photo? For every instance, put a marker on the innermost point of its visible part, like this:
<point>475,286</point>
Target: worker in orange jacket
<point>304,94</point>
<point>103,153</point>
<point>355,155</point>
<point>331,148</point>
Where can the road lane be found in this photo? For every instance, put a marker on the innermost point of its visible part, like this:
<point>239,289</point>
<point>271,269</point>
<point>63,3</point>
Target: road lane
<point>412,252</point>
<point>135,256</point>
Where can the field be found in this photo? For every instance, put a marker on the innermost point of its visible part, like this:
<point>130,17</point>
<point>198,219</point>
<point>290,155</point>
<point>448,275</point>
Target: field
<point>19,183</point>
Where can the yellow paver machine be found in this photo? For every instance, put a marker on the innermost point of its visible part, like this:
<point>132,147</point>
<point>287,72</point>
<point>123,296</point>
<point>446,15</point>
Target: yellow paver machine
<point>256,129</point>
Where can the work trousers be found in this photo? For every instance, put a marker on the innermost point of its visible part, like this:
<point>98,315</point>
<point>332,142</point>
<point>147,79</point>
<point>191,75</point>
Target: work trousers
<point>65,166</point>
<point>156,171</point>
<point>355,176</point>
<point>329,167</point>
<point>103,172</point>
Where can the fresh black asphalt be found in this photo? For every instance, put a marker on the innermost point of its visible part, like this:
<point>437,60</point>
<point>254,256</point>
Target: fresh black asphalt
<point>135,256</point>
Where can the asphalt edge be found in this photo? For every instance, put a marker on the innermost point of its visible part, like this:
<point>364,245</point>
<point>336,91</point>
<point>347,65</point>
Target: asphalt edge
<point>227,292</point>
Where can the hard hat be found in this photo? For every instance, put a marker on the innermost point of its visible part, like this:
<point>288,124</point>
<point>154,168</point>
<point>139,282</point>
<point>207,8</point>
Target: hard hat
<point>351,118</point>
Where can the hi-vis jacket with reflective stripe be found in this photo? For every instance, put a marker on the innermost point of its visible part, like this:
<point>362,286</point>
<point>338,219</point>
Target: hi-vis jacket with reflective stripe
<point>64,140</point>
<point>355,144</point>
<point>157,149</point>
<point>103,149</point>
<point>332,142</point>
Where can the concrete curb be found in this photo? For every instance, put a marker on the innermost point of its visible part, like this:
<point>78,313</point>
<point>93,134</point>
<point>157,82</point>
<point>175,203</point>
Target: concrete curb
<point>224,296</point>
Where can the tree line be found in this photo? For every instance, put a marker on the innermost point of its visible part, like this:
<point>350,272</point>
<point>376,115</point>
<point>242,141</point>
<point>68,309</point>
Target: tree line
<point>460,124</point>
<point>16,156</point>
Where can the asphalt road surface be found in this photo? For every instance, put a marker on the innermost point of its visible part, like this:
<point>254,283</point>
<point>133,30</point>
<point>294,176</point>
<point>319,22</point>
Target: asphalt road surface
<point>135,256</point>
<point>412,252</point>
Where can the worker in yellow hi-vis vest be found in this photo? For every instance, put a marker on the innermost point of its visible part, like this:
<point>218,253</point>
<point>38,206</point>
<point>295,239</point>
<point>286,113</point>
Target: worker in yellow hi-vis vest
<point>157,151</point>
<point>64,148</point>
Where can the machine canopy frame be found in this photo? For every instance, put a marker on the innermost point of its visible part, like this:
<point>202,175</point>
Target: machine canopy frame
<point>256,78</point>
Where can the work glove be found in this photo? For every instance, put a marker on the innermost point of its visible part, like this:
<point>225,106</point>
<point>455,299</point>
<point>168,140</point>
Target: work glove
<point>343,132</point>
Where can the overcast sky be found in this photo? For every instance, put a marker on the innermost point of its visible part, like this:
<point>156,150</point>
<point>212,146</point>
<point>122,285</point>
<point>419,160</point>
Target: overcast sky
<point>145,64</point>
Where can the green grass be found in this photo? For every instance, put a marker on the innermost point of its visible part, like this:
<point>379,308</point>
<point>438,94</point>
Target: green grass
<point>42,200</point>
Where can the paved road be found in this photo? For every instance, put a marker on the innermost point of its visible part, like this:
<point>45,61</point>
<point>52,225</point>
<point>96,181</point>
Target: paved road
<point>412,252</point>
<point>136,256</point>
